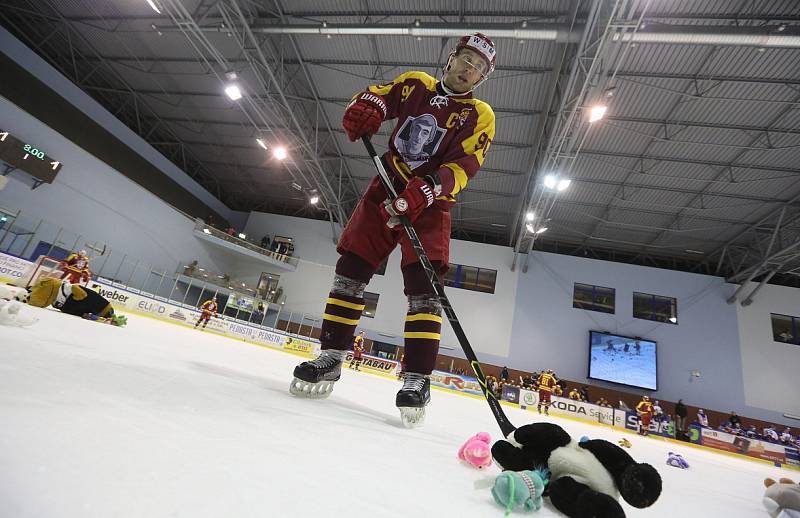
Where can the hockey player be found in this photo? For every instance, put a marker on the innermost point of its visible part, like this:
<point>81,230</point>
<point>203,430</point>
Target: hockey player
<point>358,349</point>
<point>439,142</point>
<point>547,383</point>
<point>207,309</point>
<point>76,268</point>
<point>645,411</point>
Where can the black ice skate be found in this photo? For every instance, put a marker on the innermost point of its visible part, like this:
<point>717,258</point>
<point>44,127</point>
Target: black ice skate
<point>412,398</point>
<point>315,378</point>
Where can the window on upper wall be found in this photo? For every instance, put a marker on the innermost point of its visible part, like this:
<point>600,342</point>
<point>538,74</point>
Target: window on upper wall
<point>471,278</point>
<point>655,307</point>
<point>786,329</point>
<point>593,298</point>
<point>370,304</point>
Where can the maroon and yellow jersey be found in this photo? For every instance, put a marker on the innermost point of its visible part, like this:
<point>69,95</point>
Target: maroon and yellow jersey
<point>547,382</point>
<point>76,263</point>
<point>358,342</point>
<point>644,407</point>
<point>209,306</point>
<point>435,133</point>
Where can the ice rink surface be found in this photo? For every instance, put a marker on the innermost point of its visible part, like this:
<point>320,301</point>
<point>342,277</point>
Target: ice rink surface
<point>156,420</point>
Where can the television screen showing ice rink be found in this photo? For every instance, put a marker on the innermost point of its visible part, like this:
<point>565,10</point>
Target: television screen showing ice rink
<point>623,359</point>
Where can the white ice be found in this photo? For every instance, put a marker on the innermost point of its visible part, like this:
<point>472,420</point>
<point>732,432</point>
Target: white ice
<point>156,420</point>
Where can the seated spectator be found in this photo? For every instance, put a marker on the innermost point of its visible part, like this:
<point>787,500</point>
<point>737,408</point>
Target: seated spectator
<point>786,436</point>
<point>265,242</point>
<point>734,419</point>
<point>574,394</point>
<point>702,419</point>
<point>603,402</point>
<point>770,434</point>
<point>584,393</point>
<point>751,432</point>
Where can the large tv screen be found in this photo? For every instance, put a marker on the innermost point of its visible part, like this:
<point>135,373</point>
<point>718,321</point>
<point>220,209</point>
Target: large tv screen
<point>623,359</point>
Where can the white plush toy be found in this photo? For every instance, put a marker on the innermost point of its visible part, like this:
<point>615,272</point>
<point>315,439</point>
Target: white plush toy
<point>10,309</point>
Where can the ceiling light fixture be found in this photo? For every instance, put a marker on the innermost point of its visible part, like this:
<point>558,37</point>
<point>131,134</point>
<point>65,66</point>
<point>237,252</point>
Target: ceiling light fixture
<point>314,199</point>
<point>597,112</point>
<point>529,216</point>
<point>550,181</point>
<point>233,92</point>
<point>279,153</point>
<point>152,4</point>
<point>261,143</point>
<point>543,229</point>
<point>563,184</point>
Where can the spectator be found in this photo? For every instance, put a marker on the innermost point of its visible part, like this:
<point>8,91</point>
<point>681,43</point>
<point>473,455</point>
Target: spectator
<point>190,269</point>
<point>702,419</point>
<point>575,394</point>
<point>786,436</point>
<point>735,420</point>
<point>258,314</point>
<point>265,242</point>
<point>584,393</point>
<point>770,434</point>
<point>504,374</point>
<point>658,412</point>
<point>751,432</point>
<point>680,416</point>
<point>230,231</point>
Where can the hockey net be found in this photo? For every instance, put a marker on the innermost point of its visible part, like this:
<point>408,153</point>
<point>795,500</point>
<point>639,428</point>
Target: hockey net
<point>44,267</point>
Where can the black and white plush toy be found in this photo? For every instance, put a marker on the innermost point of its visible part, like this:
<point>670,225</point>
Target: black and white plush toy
<point>587,476</point>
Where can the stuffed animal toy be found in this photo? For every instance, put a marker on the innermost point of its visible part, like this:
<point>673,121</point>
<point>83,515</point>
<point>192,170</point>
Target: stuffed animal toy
<point>677,461</point>
<point>782,498</point>
<point>523,489</point>
<point>477,450</point>
<point>69,298</point>
<point>587,478</point>
<point>625,443</point>
<point>10,314</point>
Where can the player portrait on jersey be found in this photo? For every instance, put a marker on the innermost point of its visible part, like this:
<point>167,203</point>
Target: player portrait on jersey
<point>418,139</point>
<point>440,138</point>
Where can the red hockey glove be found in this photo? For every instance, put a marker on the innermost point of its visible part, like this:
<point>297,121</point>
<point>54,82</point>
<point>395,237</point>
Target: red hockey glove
<point>417,196</point>
<point>364,115</point>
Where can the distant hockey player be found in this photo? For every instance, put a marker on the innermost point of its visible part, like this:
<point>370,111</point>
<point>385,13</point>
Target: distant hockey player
<point>208,309</point>
<point>547,383</point>
<point>76,268</point>
<point>638,346</point>
<point>439,142</point>
<point>358,349</point>
<point>645,411</point>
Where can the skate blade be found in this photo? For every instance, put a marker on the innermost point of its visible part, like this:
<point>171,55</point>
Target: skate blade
<point>412,417</point>
<point>304,389</point>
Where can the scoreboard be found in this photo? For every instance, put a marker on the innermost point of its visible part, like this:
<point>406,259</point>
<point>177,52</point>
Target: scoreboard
<point>28,157</point>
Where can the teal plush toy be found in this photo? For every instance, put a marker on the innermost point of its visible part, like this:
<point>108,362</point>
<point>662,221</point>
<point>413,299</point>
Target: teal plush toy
<point>524,489</point>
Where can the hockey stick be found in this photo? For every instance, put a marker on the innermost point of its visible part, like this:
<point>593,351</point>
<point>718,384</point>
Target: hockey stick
<point>502,421</point>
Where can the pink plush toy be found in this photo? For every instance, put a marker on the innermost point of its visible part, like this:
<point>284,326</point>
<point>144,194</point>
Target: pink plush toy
<point>477,450</point>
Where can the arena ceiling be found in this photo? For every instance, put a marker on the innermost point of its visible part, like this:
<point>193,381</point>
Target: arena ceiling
<point>695,166</point>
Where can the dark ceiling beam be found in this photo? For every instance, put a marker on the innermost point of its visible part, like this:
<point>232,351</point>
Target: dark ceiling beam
<point>501,67</point>
<point>337,100</point>
<point>710,163</point>
<point>699,124</point>
<point>651,211</point>
<point>324,62</point>
<point>635,186</point>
